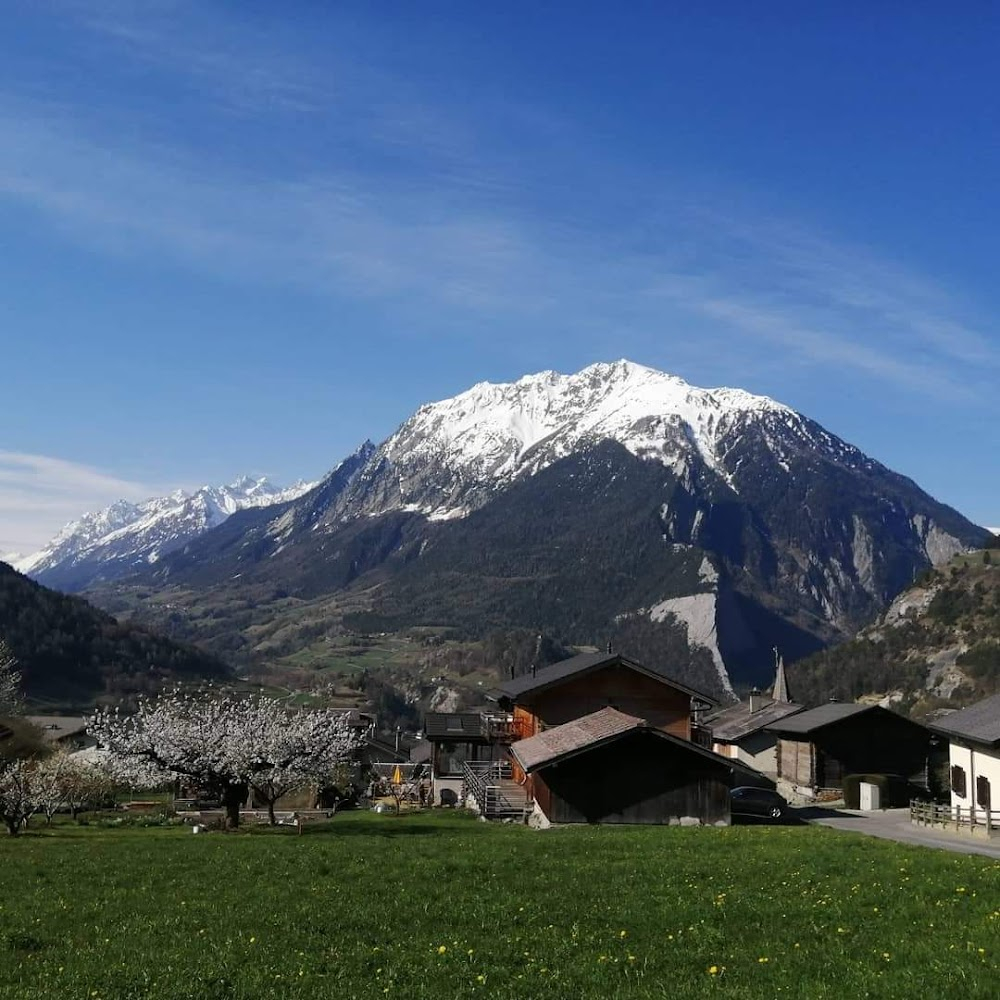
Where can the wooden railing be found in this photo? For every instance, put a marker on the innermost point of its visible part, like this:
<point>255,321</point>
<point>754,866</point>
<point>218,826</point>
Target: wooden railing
<point>974,819</point>
<point>502,728</point>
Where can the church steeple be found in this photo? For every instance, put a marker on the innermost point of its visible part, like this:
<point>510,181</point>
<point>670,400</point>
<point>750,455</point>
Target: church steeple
<point>780,690</point>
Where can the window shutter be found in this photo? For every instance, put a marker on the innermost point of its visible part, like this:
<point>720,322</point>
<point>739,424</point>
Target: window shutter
<point>983,791</point>
<point>958,781</point>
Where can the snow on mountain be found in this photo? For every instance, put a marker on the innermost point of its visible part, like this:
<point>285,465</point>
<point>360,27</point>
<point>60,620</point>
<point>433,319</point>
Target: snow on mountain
<point>127,535</point>
<point>502,431</point>
<point>452,456</point>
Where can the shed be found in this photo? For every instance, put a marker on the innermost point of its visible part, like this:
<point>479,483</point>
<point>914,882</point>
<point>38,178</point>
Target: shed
<point>819,747</point>
<point>611,767</point>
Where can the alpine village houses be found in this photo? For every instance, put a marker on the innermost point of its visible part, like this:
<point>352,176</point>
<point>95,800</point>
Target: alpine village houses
<point>596,738</point>
<point>601,738</point>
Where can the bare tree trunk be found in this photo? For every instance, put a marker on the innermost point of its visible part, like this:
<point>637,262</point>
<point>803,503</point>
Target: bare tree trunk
<point>271,818</point>
<point>13,825</point>
<point>233,797</point>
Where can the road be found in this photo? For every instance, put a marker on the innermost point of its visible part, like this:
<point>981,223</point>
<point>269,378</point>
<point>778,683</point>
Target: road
<point>894,824</point>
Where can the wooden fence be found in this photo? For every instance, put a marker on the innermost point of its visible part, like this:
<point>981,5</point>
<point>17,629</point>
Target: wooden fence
<point>963,819</point>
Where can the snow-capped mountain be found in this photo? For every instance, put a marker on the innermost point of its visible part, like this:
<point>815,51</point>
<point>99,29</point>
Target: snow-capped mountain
<point>124,536</point>
<point>450,457</point>
<point>615,499</point>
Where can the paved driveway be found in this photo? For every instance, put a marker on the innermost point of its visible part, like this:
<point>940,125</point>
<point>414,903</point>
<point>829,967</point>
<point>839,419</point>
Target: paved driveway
<point>894,824</point>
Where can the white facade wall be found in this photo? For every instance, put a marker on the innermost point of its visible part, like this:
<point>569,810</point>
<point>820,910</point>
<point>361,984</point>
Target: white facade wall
<point>759,750</point>
<point>976,762</point>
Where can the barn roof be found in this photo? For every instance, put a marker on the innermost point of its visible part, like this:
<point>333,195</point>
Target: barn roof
<point>605,726</point>
<point>737,721</point>
<point>809,722</point>
<point>805,723</point>
<point>585,663</point>
<point>979,723</point>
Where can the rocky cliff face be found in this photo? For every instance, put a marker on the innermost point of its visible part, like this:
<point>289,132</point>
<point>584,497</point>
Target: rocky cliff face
<point>937,644</point>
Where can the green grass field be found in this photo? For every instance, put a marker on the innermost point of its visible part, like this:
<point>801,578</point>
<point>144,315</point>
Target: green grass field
<point>442,906</point>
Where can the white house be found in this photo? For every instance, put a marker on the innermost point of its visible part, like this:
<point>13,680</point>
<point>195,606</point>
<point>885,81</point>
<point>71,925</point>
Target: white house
<point>974,755</point>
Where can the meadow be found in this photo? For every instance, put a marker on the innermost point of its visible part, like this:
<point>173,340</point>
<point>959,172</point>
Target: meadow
<point>443,906</point>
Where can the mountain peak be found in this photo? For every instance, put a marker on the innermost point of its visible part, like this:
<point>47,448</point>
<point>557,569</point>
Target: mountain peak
<point>499,431</point>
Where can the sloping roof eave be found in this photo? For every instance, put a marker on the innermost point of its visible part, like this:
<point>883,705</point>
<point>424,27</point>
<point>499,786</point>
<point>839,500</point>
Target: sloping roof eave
<point>552,674</point>
<point>598,743</point>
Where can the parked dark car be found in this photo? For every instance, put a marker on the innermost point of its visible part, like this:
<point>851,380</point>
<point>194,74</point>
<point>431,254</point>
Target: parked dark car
<point>746,801</point>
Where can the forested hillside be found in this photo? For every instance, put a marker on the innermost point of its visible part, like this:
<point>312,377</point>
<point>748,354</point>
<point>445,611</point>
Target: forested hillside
<point>71,654</point>
<point>938,644</point>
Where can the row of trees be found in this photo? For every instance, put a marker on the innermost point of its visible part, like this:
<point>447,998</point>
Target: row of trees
<point>222,745</point>
<point>46,785</point>
<point>225,746</point>
<point>31,780</point>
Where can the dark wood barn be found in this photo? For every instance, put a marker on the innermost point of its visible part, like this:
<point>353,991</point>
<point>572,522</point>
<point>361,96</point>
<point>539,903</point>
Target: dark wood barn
<point>818,748</point>
<point>610,767</point>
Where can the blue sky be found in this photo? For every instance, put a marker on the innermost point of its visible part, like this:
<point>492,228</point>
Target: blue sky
<point>243,237</point>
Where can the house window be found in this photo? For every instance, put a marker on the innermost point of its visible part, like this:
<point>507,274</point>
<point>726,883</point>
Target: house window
<point>451,757</point>
<point>958,781</point>
<point>983,791</point>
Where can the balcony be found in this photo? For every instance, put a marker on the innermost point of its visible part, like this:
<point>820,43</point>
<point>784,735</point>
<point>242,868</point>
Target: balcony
<point>502,728</point>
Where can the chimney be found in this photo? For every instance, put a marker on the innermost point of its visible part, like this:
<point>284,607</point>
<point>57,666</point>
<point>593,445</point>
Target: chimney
<point>397,739</point>
<point>610,650</point>
<point>757,701</point>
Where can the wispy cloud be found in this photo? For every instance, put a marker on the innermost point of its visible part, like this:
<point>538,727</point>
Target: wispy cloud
<point>832,304</point>
<point>39,494</point>
<point>447,226</point>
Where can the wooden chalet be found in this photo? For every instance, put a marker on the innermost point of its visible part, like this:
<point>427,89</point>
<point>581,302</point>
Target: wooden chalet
<point>611,767</point>
<point>818,748</point>
<point>67,732</point>
<point>586,683</point>
<point>649,768</point>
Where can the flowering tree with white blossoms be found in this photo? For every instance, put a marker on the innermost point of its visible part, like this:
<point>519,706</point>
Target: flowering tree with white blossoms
<point>224,744</point>
<point>18,793</point>
<point>70,781</point>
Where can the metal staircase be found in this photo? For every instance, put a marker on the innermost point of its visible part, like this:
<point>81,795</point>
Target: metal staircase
<point>494,793</point>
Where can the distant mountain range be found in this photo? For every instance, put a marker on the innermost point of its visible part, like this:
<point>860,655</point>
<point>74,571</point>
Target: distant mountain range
<point>704,526</point>
<point>125,536</point>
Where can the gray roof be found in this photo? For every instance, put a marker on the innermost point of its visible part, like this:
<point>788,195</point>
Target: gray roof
<point>57,727</point>
<point>979,723</point>
<point>584,663</point>
<point>460,726</point>
<point>591,731</point>
<point>733,723</point>
<point>803,723</point>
